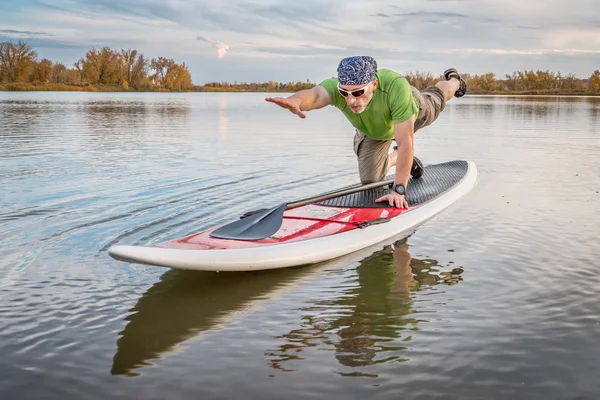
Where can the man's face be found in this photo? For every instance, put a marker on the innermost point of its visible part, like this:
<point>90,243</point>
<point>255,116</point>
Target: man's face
<point>364,93</point>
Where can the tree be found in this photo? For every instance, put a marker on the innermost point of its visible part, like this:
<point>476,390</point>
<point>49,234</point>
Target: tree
<point>161,67</point>
<point>594,83</point>
<point>135,68</point>
<point>170,75</point>
<point>42,71</point>
<point>486,82</point>
<point>58,73</point>
<point>16,61</point>
<point>421,80</point>
<point>571,82</point>
<point>101,66</point>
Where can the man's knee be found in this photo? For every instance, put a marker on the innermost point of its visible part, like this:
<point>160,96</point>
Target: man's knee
<point>372,157</point>
<point>371,173</point>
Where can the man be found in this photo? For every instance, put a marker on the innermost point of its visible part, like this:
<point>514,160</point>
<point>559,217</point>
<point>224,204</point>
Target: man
<point>382,106</point>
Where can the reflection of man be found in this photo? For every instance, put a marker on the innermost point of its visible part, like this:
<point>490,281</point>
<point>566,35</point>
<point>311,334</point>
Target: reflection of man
<point>381,303</point>
<point>371,315</point>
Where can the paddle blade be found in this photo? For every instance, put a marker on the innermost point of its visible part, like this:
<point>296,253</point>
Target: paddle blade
<point>254,227</point>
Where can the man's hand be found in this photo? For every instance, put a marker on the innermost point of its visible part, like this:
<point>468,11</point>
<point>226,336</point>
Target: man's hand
<point>291,104</point>
<point>395,200</point>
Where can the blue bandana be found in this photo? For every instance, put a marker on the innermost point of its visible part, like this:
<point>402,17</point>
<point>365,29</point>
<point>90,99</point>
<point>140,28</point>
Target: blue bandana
<point>357,70</point>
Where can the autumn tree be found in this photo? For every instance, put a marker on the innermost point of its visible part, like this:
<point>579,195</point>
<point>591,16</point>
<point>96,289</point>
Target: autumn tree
<point>58,73</point>
<point>161,67</point>
<point>170,75</point>
<point>182,79</point>
<point>571,82</point>
<point>135,68</point>
<point>42,71</point>
<point>17,61</point>
<point>421,80</point>
<point>594,83</point>
<point>486,82</point>
<point>100,66</point>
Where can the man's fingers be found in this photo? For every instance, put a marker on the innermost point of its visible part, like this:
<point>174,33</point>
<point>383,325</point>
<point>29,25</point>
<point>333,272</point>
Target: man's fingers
<point>299,113</point>
<point>281,102</point>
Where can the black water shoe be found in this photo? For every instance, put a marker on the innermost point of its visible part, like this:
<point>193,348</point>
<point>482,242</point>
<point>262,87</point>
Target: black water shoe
<point>417,170</point>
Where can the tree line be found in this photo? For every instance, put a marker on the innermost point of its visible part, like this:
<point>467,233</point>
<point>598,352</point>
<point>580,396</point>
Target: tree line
<point>519,82</point>
<point>270,86</point>
<point>108,69</point>
<point>125,69</point>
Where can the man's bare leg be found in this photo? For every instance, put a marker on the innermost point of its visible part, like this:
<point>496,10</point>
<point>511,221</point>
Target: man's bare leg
<point>448,87</point>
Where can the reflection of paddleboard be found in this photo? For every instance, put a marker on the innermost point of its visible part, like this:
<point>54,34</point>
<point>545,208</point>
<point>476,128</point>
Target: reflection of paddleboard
<point>184,304</point>
<point>318,231</point>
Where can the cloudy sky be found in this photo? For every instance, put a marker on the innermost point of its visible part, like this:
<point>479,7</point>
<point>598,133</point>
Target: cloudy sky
<point>260,40</point>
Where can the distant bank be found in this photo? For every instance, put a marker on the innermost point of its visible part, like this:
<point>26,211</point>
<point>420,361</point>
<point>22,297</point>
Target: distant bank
<point>53,87</point>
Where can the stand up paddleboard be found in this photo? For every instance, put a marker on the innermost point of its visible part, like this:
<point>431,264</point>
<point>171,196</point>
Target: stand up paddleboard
<point>313,232</point>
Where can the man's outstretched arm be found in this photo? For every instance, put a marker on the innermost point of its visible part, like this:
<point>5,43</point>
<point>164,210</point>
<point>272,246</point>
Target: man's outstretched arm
<point>304,100</point>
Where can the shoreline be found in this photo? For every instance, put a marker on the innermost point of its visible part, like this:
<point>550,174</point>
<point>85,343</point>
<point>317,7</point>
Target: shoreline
<point>28,87</point>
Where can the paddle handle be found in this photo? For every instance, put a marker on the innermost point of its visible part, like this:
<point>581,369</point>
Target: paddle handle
<point>338,193</point>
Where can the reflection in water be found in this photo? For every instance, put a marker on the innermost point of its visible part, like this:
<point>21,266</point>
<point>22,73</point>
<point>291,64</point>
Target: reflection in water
<point>183,304</point>
<point>553,107</point>
<point>223,120</point>
<point>372,315</point>
<point>595,110</point>
<point>112,115</point>
<point>368,322</point>
<point>22,117</point>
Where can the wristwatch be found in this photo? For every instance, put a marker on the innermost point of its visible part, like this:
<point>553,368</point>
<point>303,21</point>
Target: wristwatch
<point>399,188</point>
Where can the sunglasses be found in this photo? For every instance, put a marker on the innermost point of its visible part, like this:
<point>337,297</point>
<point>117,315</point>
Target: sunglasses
<point>354,93</point>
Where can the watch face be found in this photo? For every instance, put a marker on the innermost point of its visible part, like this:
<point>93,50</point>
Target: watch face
<point>400,189</point>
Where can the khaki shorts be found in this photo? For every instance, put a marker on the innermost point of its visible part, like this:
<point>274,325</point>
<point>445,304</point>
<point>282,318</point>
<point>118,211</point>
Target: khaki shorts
<point>373,154</point>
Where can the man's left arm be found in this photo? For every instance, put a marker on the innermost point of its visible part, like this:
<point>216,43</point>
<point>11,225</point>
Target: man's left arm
<point>404,133</point>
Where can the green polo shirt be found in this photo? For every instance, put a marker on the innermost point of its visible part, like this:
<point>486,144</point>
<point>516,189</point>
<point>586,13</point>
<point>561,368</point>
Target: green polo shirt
<point>392,103</point>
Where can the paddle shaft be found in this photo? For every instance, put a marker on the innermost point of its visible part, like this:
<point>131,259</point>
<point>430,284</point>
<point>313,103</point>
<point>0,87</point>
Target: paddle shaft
<point>343,192</point>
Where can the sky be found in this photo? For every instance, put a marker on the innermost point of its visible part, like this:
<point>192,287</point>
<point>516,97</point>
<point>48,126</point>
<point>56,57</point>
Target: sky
<point>261,40</point>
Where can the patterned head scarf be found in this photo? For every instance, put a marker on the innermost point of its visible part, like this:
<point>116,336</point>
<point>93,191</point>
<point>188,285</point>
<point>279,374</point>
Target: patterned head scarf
<point>357,70</point>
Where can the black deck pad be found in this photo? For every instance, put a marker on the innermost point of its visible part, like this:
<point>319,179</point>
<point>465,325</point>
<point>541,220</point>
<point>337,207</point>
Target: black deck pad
<point>437,179</point>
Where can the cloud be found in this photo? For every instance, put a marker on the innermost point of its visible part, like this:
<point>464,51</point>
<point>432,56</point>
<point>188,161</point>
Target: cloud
<point>24,34</point>
<point>41,43</point>
<point>270,37</point>
<point>220,47</point>
<point>533,52</point>
<point>432,14</point>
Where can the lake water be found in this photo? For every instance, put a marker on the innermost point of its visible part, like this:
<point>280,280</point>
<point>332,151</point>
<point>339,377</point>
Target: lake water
<point>497,297</point>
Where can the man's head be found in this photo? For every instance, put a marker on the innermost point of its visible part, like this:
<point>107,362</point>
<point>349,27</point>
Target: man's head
<point>357,81</point>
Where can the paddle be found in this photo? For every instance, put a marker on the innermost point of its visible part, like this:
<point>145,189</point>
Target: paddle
<point>266,222</point>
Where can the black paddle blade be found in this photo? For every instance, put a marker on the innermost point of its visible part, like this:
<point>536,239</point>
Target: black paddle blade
<point>254,227</point>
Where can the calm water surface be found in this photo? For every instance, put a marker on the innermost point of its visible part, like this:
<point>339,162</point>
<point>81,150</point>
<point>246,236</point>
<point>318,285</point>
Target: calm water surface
<point>497,297</point>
